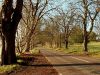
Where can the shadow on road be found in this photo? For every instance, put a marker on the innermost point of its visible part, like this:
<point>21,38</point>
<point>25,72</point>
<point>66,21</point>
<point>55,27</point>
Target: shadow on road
<point>57,55</point>
<point>58,65</point>
<point>26,61</point>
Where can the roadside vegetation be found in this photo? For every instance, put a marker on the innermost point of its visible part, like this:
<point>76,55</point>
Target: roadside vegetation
<point>6,69</point>
<point>22,59</point>
<point>77,49</point>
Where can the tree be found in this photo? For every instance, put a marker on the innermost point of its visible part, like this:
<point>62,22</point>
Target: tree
<point>10,19</point>
<point>35,11</point>
<point>76,34</point>
<point>53,28</point>
<point>88,12</point>
<point>66,23</point>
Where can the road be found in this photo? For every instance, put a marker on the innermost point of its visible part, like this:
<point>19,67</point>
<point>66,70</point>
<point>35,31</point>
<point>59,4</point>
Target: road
<point>71,64</point>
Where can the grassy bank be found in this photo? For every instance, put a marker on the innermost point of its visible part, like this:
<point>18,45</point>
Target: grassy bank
<point>93,47</point>
<point>8,68</point>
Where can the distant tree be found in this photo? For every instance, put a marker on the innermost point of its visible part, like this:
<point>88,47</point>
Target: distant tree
<point>76,34</point>
<point>56,31</point>
<point>66,23</point>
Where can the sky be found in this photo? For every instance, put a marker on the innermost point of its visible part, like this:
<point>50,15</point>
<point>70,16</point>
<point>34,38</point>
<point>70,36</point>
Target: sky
<point>0,3</point>
<point>58,2</point>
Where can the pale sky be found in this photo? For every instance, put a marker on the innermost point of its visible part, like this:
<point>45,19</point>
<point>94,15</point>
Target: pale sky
<point>0,3</point>
<point>58,1</point>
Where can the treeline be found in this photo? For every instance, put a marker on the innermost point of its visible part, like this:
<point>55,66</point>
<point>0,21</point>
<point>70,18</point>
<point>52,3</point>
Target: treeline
<point>57,27</point>
<point>52,37</point>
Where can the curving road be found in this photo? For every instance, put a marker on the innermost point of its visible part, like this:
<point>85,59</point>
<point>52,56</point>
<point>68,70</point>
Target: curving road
<point>72,65</point>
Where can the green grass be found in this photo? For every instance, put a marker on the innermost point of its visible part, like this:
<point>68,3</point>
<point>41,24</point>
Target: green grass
<point>19,61</point>
<point>35,51</point>
<point>73,49</point>
<point>93,47</point>
<point>8,68</point>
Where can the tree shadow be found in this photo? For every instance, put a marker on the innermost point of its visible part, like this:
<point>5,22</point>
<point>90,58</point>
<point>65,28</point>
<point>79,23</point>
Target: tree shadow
<point>25,60</point>
<point>64,65</point>
<point>28,61</point>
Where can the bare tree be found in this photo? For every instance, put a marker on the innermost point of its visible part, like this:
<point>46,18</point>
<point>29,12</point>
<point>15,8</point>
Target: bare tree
<point>35,11</point>
<point>88,12</point>
<point>66,23</point>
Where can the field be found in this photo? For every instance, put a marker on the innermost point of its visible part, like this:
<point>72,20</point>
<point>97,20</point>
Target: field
<point>93,47</point>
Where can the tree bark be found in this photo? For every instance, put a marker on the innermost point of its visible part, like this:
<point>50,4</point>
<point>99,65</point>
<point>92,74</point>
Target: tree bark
<point>3,54</point>
<point>28,44</point>
<point>85,26</point>
<point>10,22</point>
<point>85,37</point>
<point>60,40</point>
<point>28,40</point>
<point>66,43</point>
<point>66,38</point>
<point>85,43</point>
<point>10,48</point>
<point>8,44</point>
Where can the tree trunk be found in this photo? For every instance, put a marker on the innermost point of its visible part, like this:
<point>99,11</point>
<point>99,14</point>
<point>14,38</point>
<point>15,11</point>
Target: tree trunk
<point>10,48</point>
<point>57,44</point>
<point>85,43</point>
<point>66,43</point>
<point>60,40</point>
<point>85,37</point>
<point>51,46</point>
<point>10,20</point>
<point>3,54</point>
<point>8,43</point>
<point>85,25</point>
<point>28,40</point>
<point>28,44</point>
<point>66,38</point>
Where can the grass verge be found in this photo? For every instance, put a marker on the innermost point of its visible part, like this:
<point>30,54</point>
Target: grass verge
<point>8,69</point>
<point>35,51</point>
<point>93,49</point>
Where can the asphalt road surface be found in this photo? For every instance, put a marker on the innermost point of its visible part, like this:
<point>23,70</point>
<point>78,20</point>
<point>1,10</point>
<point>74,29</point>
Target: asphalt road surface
<point>72,65</point>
